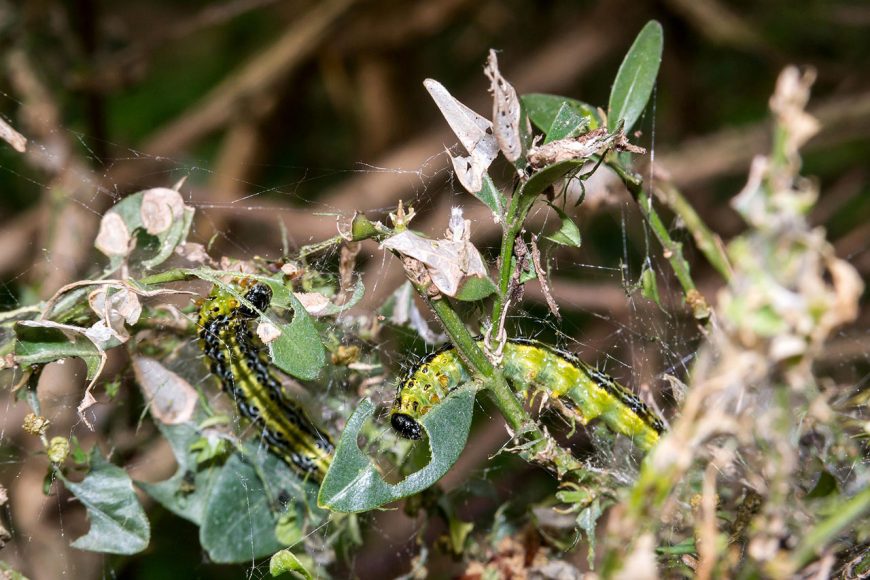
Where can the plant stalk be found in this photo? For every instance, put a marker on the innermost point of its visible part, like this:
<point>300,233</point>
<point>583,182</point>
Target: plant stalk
<point>709,243</point>
<point>673,250</point>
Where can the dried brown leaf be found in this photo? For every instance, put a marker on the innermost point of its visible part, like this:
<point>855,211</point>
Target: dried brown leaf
<point>171,399</point>
<point>448,261</point>
<point>505,111</point>
<point>113,238</point>
<point>160,207</point>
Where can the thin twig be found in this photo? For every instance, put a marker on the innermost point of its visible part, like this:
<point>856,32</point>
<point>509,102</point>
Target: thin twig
<point>709,243</point>
<point>673,250</point>
<point>13,137</point>
<point>542,279</point>
<point>257,77</point>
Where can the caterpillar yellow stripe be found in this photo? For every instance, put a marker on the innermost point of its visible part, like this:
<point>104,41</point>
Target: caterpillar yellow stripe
<point>579,391</point>
<point>243,368</point>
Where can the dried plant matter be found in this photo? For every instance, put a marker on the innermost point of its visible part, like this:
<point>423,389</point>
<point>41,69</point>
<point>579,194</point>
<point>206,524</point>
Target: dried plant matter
<point>755,409</point>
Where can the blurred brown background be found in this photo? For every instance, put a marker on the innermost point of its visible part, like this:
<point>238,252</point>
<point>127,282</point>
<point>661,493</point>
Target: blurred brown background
<point>294,112</point>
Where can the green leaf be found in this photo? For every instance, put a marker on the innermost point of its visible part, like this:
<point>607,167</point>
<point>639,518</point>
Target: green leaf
<point>825,486</point>
<point>118,524</point>
<point>475,288</point>
<point>490,195</point>
<point>649,288</point>
<point>458,530</point>
<point>359,290</point>
<point>39,343</point>
<point>353,483</point>
<point>686,546</point>
<point>549,175</point>
<point>242,512</point>
<point>636,78</point>
<point>361,228</point>
<point>587,520</point>
<point>164,243</point>
<point>286,562</point>
<point>543,110</point>
<point>568,234</point>
<point>566,124</point>
<point>238,523</point>
<point>299,351</point>
<point>527,274</point>
<point>210,448</point>
<point>185,493</point>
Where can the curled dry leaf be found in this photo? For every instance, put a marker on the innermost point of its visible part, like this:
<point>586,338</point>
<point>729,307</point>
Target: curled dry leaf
<point>315,303</point>
<point>267,332</point>
<point>70,331</point>
<point>113,238</point>
<point>292,270</point>
<point>193,252</point>
<point>170,398</point>
<point>594,142</point>
<point>403,311</point>
<point>123,304</point>
<point>160,207</point>
<point>114,310</point>
<point>231,265</point>
<point>505,111</point>
<point>449,262</point>
<point>87,402</point>
<point>472,130</point>
<point>102,334</point>
<point>789,103</point>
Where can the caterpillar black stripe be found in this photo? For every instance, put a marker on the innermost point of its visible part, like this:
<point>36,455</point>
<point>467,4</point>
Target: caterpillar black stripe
<point>577,390</point>
<point>242,365</point>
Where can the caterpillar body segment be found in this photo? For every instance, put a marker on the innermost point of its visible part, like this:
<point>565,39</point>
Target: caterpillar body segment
<point>534,369</point>
<point>243,368</point>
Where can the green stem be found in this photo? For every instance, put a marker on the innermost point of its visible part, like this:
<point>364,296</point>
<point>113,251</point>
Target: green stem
<point>673,250</point>
<point>516,216</point>
<point>174,275</point>
<point>460,337</point>
<point>543,449</point>
<point>504,260</point>
<point>306,251</point>
<point>495,383</point>
<point>709,243</point>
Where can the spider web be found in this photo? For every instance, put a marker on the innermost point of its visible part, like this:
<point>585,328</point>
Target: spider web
<point>638,342</point>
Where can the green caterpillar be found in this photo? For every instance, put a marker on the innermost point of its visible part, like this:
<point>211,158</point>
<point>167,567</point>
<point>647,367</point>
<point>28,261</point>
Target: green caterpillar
<point>533,369</point>
<point>243,369</point>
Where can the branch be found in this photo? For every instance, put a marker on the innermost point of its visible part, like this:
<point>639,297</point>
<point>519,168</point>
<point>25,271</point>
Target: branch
<point>258,77</point>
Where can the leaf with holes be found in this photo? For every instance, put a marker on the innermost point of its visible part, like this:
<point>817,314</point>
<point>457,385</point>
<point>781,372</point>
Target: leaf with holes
<point>353,483</point>
<point>118,524</point>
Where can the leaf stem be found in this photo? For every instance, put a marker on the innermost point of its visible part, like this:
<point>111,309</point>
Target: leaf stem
<point>673,250</point>
<point>542,448</point>
<point>460,337</point>
<point>174,275</point>
<point>709,243</point>
<point>515,218</point>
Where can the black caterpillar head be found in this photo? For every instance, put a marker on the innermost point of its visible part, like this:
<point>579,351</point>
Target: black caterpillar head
<point>406,426</point>
<point>260,295</point>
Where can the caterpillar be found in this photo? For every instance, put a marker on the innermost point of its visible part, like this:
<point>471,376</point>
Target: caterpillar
<point>244,371</point>
<point>580,392</point>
